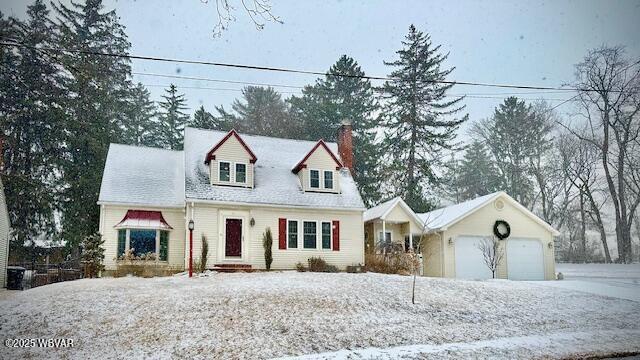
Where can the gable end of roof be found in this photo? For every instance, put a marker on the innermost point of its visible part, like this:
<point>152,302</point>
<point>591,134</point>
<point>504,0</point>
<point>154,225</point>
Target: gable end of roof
<point>301,164</point>
<point>210,155</point>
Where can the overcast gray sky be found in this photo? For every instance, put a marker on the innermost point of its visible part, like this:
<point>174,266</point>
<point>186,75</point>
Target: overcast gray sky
<point>516,42</point>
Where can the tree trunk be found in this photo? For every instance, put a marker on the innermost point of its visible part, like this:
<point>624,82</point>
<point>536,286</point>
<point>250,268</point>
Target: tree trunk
<point>583,228</point>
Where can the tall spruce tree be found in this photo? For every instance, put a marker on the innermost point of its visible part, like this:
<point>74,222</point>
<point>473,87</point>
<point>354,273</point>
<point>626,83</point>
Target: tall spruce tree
<point>261,111</point>
<point>419,123</point>
<point>31,119</point>
<point>511,135</point>
<point>203,119</point>
<point>140,126</point>
<point>476,174</point>
<point>98,88</point>
<point>172,119</point>
<point>344,94</point>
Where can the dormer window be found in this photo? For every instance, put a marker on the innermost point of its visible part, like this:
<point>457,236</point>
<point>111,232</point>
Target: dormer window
<point>225,171</point>
<point>314,179</point>
<point>231,162</point>
<point>241,173</point>
<point>328,180</point>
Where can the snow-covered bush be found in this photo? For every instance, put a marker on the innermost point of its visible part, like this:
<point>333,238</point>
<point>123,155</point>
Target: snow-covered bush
<point>396,262</point>
<point>300,267</point>
<point>204,254</point>
<point>317,264</point>
<point>92,255</point>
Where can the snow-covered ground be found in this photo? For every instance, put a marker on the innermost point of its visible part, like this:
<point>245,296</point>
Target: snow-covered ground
<point>279,314</point>
<point>615,280</point>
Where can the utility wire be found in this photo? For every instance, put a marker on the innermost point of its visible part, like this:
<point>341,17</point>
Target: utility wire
<point>279,69</point>
<point>295,93</point>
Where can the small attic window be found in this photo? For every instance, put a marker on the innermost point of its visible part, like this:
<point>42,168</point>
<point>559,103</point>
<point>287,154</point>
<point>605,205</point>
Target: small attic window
<point>314,179</point>
<point>225,171</point>
<point>499,204</point>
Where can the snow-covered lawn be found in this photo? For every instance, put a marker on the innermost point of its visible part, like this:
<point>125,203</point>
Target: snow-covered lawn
<point>264,315</point>
<point>615,280</point>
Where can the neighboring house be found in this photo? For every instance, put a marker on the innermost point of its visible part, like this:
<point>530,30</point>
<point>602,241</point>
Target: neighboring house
<point>233,186</point>
<point>455,232</point>
<point>4,237</point>
<point>391,223</point>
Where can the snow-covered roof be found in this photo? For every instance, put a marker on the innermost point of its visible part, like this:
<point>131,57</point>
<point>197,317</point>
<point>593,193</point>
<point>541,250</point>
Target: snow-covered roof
<point>380,211</point>
<point>441,219</point>
<point>274,183</point>
<point>143,176</point>
<point>143,219</point>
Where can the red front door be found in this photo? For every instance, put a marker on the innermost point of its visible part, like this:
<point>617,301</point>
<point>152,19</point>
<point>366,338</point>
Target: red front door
<point>233,239</point>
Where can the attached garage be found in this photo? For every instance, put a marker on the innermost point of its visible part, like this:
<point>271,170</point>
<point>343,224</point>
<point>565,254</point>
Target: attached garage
<point>455,231</point>
<point>469,260</point>
<point>525,259</point>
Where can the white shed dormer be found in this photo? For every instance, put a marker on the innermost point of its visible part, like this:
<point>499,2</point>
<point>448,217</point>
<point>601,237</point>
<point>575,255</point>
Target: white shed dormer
<point>231,162</point>
<point>319,170</point>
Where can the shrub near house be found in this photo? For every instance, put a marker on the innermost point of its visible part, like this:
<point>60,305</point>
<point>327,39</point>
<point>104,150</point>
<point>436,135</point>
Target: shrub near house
<point>233,187</point>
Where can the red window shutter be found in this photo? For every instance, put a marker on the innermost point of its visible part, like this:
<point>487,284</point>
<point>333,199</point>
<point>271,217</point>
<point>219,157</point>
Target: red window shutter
<point>282,233</point>
<point>336,235</point>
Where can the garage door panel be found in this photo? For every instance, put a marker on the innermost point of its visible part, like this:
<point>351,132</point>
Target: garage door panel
<point>525,260</point>
<point>469,260</point>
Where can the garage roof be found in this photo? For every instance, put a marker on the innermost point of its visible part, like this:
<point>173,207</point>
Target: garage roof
<point>441,219</point>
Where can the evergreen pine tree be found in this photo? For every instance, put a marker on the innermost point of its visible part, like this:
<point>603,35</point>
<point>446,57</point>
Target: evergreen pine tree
<point>140,127</point>
<point>172,119</point>
<point>31,119</point>
<point>417,119</point>
<point>263,112</point>
<point>323,106</point>
<point>511,135</point>
<point>477,174</point>
<point>98,89</point>
<point>205,120</point>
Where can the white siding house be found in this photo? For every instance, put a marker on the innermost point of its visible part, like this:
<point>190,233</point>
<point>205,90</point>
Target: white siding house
<point>234,187</point>
<point>4,237</point>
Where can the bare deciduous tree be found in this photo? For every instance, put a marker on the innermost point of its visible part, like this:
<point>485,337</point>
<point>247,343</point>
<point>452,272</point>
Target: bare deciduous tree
<point>492,253</point>
<point>259,11</point>
<point>609,98</point>
<point>583,172</point>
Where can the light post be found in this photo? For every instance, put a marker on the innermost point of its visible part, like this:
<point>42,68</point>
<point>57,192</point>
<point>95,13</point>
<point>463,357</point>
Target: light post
<point>191,226</point>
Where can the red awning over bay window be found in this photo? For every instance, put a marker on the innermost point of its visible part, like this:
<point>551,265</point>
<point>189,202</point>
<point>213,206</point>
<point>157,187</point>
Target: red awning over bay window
<point>143,219</point>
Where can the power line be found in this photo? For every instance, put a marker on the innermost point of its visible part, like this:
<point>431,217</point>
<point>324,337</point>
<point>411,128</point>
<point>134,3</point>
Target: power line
<point>279,69</point>
<point>292,92</point>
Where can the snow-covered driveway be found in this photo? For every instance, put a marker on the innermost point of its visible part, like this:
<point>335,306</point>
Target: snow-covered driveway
<point>264,315</point>
<point>615,280</point>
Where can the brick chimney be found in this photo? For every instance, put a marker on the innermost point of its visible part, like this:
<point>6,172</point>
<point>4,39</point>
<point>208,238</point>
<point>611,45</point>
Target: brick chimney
<point>345,145</point>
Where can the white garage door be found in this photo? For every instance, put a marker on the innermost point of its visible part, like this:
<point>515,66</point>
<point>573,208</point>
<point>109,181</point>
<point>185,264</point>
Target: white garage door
<point>469,261</point>
<point>525,259</point>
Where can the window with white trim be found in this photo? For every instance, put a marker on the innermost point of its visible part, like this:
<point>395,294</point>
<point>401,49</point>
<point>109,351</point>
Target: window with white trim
<point>292,234</point>
<point>328,180</point>
<point>225,171</point>
<point>326,235</point>
<point>387,238</point>
<point>241,173</point>
<point>314,179</point>
<point>310,234</point>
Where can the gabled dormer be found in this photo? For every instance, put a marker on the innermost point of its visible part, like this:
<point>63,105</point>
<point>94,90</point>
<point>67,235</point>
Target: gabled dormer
<point>231,162</point>
<point>318,170</point>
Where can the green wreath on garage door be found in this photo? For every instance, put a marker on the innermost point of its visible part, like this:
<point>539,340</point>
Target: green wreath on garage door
<point>501,229</point>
